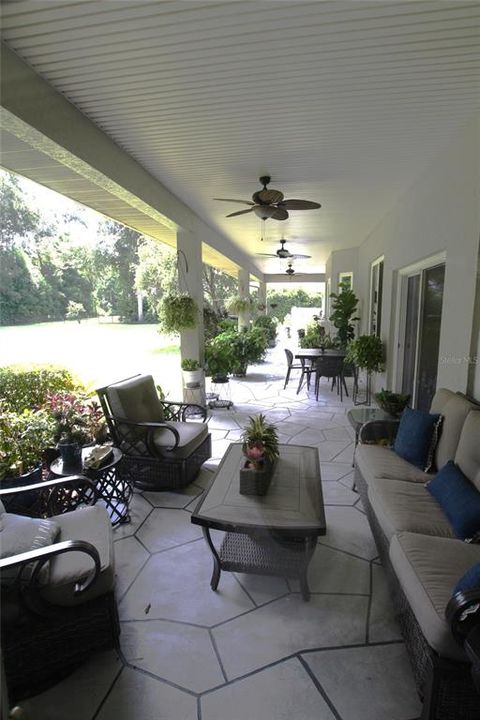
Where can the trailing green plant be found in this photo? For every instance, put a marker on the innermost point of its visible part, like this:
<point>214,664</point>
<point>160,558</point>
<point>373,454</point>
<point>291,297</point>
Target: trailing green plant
<point>269,324</point>
<point>24,388</point>
<point>23,439</point>
<point>366,352</point>
<point>260,440</point>
<point>189,365</point>
<point>344,306</point>
<point>177,312</point>
<point>239,304</point>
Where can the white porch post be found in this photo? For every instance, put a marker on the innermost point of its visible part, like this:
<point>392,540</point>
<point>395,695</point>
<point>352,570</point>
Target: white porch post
<point>189,258</point>
<point>262,297</point>
<point>244,294</point>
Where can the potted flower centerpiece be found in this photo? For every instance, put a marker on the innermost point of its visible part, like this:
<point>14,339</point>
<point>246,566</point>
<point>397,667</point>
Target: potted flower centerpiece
<point>260,447</point>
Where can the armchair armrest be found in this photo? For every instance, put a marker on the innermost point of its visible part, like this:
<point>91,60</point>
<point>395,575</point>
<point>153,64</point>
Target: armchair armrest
<point>52,494</point>
<point>131,440</point>
<point>182,412</point>
<point>463,616</point>
<point>43,555</point>
<point>379,431</point>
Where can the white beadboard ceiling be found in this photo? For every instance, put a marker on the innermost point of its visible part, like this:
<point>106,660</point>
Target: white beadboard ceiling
<point>343,103</point>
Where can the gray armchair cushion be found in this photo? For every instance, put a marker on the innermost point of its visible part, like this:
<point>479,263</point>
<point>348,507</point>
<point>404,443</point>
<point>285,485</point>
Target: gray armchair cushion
<point>428,569</point>
<point>136,399</point>
<point>191,436</point>
<point>454,408</point>
<point>407,506</point>
<point>91,524</point>
<point>19,534</point>
<point>467,456</point>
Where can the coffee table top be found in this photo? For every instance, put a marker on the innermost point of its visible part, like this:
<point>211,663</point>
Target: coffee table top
<point>293,504</point>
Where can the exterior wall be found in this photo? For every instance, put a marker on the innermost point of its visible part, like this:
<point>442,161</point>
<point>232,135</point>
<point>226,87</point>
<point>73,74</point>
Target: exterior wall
<point>439,213</point>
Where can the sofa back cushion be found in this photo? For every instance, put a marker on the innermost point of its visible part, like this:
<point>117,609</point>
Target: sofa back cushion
<point>467,456</point>
<point>454,407</point>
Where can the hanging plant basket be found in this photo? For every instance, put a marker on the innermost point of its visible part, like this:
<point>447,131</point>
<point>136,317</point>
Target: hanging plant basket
<point>177,312</point>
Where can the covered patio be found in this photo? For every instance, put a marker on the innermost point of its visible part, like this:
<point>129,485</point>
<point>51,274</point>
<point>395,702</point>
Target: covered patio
<point>254,648</point>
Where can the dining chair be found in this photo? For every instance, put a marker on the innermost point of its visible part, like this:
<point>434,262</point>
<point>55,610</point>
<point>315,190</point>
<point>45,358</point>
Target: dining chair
<point>306,370</point>
<point>331,368</point>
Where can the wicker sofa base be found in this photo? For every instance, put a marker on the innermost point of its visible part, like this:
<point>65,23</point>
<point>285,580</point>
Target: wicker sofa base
<point>150,473</point>
<point>445,687</point>
<point>39,651</point>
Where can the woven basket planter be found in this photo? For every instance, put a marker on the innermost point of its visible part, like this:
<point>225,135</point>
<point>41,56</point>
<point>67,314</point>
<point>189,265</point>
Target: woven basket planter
<point>256,481</point>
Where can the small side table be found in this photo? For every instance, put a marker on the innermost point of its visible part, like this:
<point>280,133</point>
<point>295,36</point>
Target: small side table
<point>113,485</point>
<point>359,416</point>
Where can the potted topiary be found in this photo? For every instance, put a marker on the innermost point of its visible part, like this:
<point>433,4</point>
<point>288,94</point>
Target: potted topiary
<point>260,447</point>
<point>367,352</point>
<point>192,372</point>
<point>176,312</point>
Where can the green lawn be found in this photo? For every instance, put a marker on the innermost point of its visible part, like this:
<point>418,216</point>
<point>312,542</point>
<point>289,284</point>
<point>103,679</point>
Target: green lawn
<point>98,353</point>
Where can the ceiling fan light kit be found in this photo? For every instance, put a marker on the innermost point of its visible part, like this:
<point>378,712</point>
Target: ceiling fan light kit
<point>270,204</point>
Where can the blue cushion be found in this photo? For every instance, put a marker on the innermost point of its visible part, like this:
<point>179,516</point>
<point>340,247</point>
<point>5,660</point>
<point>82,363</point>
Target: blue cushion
<point>458,498</point>
<point>469,581</point>
<point>417,437</point>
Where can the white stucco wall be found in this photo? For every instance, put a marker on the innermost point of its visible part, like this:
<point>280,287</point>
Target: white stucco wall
<point>440,212</point>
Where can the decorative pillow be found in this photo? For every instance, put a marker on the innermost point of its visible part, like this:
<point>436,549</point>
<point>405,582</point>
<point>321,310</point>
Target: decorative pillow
<point>20,534</point>
<point>417,437</point>
<point>458,498</point>
<point>469,581</point>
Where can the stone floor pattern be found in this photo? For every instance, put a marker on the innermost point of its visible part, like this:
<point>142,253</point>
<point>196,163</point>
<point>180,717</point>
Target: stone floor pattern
<point>253,650</point>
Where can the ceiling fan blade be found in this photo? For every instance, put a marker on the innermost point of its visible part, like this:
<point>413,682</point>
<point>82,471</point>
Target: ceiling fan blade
<point>300,205</point>
<point>265,255</point>
<point>243,202</point>
<point>300,257</point>
<point>267,197</point>
<point>239,212</point>
<point>279,214</point>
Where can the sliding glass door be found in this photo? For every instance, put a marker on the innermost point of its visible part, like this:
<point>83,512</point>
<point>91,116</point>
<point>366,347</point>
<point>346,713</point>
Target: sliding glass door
<point>423,298</point>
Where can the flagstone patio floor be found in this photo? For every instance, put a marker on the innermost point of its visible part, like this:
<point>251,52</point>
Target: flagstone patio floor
<point>253,650</point>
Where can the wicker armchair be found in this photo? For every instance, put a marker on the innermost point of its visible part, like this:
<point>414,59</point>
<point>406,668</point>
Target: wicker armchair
<point>162,448</point>
<point>57,585</point>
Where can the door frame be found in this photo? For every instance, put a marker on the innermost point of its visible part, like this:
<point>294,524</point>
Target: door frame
<point>402,276</point>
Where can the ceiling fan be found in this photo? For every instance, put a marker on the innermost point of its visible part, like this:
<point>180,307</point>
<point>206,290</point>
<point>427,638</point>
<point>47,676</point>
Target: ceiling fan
<point>270,203</point>
<point>283,253</point>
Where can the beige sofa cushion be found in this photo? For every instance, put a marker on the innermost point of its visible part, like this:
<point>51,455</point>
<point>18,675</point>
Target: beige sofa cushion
<point>454,408</point>
<point>91,524</point>
<point>376,461</point>
<point>428,569</point>
<point>407,506</point>
<point>467,456</point>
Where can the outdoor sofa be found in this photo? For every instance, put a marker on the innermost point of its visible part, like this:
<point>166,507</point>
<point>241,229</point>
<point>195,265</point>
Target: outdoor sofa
<point>423,556</point>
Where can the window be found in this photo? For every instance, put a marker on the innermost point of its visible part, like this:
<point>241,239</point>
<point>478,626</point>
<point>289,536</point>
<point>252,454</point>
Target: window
<point>346,278</point>
<point>376,291</point>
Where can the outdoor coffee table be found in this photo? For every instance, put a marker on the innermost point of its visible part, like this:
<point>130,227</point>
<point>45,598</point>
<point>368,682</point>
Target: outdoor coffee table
<point>273,534</point>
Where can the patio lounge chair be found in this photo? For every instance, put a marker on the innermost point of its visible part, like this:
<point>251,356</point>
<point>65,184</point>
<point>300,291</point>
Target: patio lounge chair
<point>57,586</point>
<point>163,449</point>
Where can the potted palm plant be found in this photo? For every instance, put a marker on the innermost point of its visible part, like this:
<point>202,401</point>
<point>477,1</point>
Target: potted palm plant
<point>260,447</point>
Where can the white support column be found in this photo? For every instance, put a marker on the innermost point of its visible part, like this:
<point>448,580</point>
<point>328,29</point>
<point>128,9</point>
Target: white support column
<point>189,254</point>
<point>262,297</point>
<point>244,294</point>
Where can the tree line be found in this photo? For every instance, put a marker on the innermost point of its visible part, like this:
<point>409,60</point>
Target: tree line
<point>46,275</point>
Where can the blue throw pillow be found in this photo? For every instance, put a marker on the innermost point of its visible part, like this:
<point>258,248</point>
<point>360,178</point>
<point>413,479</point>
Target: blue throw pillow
<point>417,437</point>
<point>469,581</point>
<point>458,498</point>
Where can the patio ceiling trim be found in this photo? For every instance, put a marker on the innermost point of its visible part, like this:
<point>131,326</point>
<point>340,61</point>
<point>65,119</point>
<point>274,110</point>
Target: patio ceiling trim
<point>297,277</point>
<point>41,118</point>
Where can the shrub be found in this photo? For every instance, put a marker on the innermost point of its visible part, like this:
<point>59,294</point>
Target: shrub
<point>268,324</point>
<point>232,351</point>
<point>27,388</point>
<point>23,438</point>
